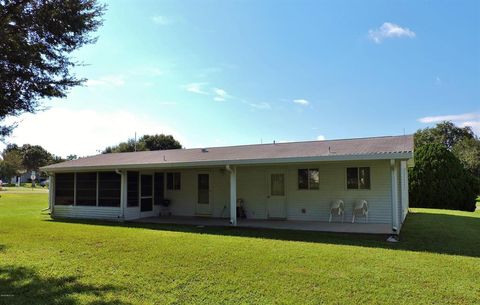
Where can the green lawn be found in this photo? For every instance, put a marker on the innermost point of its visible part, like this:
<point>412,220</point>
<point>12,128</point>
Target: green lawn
<point>61,262</point>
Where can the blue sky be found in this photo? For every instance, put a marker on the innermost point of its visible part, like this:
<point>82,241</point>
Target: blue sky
<point>218,73</point>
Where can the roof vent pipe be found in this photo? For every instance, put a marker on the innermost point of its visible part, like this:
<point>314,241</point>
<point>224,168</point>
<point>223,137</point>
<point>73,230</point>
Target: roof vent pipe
<point>204,150</point>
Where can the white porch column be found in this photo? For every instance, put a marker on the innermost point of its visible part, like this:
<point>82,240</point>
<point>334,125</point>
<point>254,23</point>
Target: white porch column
<point>51,192</point>
<point>404,190</point>
<point>393,170</point>
<point>233,195</point>
<point>123,192</point>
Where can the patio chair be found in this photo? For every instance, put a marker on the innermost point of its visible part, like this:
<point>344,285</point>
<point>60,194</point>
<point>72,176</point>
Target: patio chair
<point>337,208</point>
<point>360,208</point>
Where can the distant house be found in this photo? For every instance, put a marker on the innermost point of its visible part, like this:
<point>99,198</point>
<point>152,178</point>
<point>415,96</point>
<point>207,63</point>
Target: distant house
<point>279,185</point>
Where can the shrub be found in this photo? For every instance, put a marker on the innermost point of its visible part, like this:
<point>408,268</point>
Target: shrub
<point>438,180</point>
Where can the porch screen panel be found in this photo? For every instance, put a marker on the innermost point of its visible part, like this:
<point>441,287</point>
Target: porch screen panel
<point>132,189</point>
<point>146,191</point>
<point>87,189</point>
<point>277,185</point>
<point>109,189</point>
<point>64,188</point>
<point>159,188</point>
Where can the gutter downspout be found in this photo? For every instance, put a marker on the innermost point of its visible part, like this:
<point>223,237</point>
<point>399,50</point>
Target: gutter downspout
<point>394,196</point>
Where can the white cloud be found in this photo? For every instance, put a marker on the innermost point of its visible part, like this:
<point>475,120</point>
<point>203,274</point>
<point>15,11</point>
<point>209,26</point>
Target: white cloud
<point>321,138</point>
<point>389,30</point>
<point>196,88</point>
<point>108,80</point>
<point>302,102</point>
<point>261,105</point>
<point>452,117</point>
<point>220,95</point>
<point>471,119</point>
<point>83,132</point>
<point>162,20</point>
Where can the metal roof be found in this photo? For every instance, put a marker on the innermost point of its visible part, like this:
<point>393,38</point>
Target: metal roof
<point>389,147</point>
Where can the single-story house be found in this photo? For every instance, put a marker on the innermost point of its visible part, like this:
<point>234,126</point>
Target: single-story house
<point>275,184</point>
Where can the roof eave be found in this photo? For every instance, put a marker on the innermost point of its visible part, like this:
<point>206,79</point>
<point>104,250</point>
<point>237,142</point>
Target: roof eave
<point>377,156</point>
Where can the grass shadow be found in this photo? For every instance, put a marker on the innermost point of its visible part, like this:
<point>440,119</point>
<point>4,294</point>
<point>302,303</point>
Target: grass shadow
<point>422,232</point>
<point>20,285</point>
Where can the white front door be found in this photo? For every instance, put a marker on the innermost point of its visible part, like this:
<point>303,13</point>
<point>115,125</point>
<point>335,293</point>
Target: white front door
<point>276,195</point>
<point>146,195</point>
<point>204,193</point>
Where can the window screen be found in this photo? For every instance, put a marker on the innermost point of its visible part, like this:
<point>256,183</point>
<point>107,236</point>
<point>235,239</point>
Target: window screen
<point>364,177</point>
<point>86,189</point>
<point>64,188</point>
<point>109,189</point>
<point>352,178</point>
<point>313,179</point>
<point>132,189</point>
<point>303,179</point>
<point>173,181</point>
<point>358,178</point>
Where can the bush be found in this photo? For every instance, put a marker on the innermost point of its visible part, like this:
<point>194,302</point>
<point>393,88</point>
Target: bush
<point>438,180</point>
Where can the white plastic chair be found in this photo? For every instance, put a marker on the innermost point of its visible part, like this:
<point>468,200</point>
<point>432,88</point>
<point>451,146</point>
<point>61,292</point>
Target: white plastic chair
<point>337,208</point>
<point>360,208</point>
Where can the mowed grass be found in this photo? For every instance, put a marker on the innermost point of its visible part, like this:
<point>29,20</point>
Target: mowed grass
<point>85,262</point>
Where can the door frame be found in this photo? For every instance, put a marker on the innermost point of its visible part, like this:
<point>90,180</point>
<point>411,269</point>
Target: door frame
<point>146,213</point>
<point>209,211</point>
<point>280,198</point>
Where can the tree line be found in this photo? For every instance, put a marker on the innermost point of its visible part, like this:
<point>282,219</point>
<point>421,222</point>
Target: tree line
<point>16,160</point>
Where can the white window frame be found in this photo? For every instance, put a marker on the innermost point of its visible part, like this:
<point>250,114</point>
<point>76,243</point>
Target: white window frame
<point>358,178</point>
<point>308,179</point>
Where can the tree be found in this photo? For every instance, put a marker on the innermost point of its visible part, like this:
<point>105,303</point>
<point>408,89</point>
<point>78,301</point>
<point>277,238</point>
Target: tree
<point>438,180</point>
<point>468,151</point>
<point>461,141</point>
<point>445,133</point>
<point>160,142</point>
<point>72,157</point>
<point>34,157</point>
<point>146,142</point>
<point>11,165</point>
<point>36,40</point>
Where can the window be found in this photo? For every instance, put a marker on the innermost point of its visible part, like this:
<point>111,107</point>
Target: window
<point>308,179</point>
<point>277,185</point>
<point>173,181</point>
<point>158,188</point>
<point>64,189</point>
<point>203,188</point>
<point>86,189</point>
<point>364,177</point>
<point>109,189</point>
<point>358,178</point>
<point>132,189</point>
